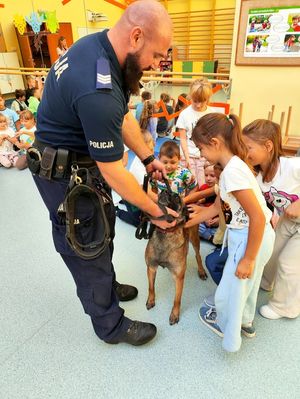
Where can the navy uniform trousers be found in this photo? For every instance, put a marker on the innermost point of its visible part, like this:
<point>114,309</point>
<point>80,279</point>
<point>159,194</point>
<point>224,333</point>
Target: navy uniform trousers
<point>93,278</point>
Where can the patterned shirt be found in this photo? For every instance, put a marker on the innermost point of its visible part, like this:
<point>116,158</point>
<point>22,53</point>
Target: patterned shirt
<point>181,181</point>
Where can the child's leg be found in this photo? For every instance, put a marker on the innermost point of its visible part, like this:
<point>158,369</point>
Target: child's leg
<point>21,162</point>
<point>131,216</point>
<point>286,293</point>
<point>232,292</point>
<point>215,263</point>
<point>5,161</point>
<point>261,259</point>
<point>281,239</point>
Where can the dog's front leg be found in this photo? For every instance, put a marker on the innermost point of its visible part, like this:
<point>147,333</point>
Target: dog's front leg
<point>179,280</point>
<point>195,240</point>
<point>151,272</point>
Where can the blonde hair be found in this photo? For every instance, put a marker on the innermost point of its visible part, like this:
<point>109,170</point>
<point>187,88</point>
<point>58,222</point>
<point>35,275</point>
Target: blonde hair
<point>200,90</point>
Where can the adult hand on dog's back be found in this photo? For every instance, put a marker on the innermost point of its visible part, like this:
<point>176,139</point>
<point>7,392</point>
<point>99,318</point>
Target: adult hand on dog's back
<point>163,224</point>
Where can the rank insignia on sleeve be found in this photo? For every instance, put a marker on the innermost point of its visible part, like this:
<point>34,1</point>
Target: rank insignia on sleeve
<point>103,80</point>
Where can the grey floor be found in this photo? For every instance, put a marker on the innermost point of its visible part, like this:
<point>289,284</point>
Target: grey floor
<point>48,348</point>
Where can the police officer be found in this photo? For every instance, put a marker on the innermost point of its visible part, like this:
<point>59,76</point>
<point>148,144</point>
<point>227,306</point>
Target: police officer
<point>84,111</point>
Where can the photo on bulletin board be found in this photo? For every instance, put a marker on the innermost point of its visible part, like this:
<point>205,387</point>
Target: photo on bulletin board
<point>269,35</point>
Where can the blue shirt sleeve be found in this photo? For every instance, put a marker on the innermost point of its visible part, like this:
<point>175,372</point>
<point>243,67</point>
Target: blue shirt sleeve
<point>101,115</point>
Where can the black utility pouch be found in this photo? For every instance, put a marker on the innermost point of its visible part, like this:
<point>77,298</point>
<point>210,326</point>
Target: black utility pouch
<point>47,163</point>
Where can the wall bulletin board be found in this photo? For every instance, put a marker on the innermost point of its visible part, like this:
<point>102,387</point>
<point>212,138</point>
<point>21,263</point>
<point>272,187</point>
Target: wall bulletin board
<point>269,33</point>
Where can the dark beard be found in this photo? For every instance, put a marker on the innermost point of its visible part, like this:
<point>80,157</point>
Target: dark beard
<point>132,73</point>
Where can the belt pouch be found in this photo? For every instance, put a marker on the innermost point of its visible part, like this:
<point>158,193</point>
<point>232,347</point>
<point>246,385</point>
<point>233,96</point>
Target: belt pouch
<point>33,157</point>
<point>61,163</point>
<point>47,162</point>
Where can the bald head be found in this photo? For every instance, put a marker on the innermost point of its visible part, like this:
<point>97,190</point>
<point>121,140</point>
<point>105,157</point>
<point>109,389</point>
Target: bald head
<point>141,39</point>
<point>149,15</point>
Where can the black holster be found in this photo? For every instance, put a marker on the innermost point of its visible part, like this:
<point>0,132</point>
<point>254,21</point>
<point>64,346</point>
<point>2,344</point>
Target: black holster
<point>83,208</point>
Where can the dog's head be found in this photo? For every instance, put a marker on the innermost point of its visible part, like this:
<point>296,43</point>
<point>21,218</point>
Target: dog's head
<point>173,201</point>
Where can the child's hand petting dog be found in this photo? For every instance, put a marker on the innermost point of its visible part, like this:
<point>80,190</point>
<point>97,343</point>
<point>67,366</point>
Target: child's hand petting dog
<point>193,208</point>
<point>194,213</point>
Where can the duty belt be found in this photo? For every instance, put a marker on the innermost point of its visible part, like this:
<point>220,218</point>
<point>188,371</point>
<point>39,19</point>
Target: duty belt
<point>51,163</point>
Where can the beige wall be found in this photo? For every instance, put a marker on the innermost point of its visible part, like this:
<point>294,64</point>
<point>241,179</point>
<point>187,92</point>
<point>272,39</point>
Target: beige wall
<point>258,88</point>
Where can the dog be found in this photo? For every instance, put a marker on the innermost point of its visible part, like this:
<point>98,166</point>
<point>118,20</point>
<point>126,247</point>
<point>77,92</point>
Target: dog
<point>169,248</point>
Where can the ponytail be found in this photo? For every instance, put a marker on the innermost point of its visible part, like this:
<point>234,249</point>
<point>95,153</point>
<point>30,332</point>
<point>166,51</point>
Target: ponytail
<point>146,114</point>
<point>235,142</point>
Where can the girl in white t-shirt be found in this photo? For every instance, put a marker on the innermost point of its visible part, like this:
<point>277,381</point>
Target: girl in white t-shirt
<point>279,180</point>
<point>249,234</point>
<point>200,94</point>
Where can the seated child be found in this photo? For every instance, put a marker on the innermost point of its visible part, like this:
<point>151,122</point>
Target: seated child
<point>181,179</point>
<point>24,138</point>
<point>34,101</point>
<point>209,227</point>
<point>13,118</point>
<point>19,105</point>
<point>132,214</point>
<point>8,157</point>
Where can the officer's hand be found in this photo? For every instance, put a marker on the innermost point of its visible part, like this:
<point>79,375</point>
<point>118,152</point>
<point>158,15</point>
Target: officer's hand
<point>163,224</point>
<point>157,169</point>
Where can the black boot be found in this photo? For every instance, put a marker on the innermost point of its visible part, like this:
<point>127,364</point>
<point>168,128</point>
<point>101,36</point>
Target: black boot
<point>138,333</point>
<point>125,292</point>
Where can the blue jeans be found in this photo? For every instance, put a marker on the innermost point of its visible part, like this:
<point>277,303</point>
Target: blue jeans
<point>131,216</point>
<point>206,232</point>
<point>215,263</point>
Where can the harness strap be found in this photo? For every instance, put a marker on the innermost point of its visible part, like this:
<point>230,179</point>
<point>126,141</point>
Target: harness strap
<point>82,184</point>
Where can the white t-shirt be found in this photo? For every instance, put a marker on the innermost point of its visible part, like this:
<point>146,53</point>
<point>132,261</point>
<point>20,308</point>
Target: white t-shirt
<point>187,120</point>
<point>285,186</point>
<point>138,170</point>
<point>237,176</point>
<point>7,147</point>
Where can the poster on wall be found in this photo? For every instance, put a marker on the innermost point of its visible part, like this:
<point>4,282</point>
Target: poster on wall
<point>269,35</point>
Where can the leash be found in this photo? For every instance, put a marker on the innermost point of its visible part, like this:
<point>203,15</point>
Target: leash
<point>142,230</point>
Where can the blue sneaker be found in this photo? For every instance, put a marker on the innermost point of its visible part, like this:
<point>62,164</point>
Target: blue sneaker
<point>208,317</point>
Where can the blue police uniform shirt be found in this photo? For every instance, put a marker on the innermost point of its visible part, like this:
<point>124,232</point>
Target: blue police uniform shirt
<point>84,101</point>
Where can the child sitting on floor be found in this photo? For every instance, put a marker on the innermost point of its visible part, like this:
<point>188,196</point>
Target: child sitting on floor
<point>8,157</point>
<point>209,227</point>
<point>24,138</point>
